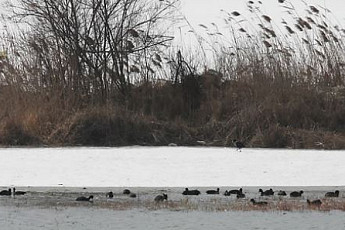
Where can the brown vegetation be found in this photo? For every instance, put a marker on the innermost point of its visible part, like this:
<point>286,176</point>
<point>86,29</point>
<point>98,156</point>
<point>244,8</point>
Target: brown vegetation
<point>77,82</point>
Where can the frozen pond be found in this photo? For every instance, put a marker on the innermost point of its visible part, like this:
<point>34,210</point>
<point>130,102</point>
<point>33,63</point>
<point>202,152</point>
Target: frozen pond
<point>54,177</point>
<point>170,167</point>
<point>55,208</point>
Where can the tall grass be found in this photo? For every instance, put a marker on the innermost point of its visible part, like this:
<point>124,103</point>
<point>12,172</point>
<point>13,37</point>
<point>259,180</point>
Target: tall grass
<point>280,84</point>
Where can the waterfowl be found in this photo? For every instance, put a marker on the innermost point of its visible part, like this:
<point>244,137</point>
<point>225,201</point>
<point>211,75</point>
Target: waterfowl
<point>332,194</point>
<point>260,203</point>
<point>314,202</point>
<point>126,191</point>
<point>83,198</point>
<point>296,194</point>
<point>269,192</point>
<point>161,198</point>
<point>282,193</point>
<point>132,195</point>
<point>240,195</point>
<point>238,144</point>
<point>6,192</point>
<point>213,191</point>
<point>235,191</point>
<point>190,192</point>
<point>18,193</point>
<point>110,194</point>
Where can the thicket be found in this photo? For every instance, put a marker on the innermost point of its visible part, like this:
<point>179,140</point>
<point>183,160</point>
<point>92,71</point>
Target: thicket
<point>97,73</point>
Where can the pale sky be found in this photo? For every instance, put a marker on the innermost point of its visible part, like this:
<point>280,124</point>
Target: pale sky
<point>207,11</point>
<point>202,11</point>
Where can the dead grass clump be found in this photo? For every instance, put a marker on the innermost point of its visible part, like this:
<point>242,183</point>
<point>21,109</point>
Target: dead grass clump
<point>288,137</point>
<point>167,101</point>
<point>13,133</point>
<point>102,127</point>
<point>315,139</point>
<point>332,204</point>
<point>274,137</point>
<point>107,126</point>
<point>284,206</point>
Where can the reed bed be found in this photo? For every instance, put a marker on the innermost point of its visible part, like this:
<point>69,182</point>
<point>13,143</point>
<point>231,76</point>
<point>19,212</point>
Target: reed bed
<point>277,84</point>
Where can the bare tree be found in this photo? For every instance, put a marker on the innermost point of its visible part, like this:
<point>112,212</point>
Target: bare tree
<point>93,47</point>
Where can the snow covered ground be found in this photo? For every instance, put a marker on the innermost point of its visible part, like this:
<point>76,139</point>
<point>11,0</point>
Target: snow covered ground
<point>170,167</point>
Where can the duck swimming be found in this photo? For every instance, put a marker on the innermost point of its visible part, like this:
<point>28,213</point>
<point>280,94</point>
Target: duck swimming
<point>282,193</point>
<point>6,192</point>
<point>190,192</point>
<point>269,192</point>
<point>18,193</point>
<point>296,194</point>
<point>83,198</point>
<point>132,195</point>
<point>234,191</point>
<point>332,194</point>
<point>161,198</point>
<point>213,191</point>
<point>240,195</point>
<point>314,202</point>
<point>260,203</point>
<point>110,194</point>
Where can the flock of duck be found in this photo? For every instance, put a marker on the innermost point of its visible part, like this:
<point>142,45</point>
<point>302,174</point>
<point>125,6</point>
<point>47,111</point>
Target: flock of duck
<point>239,194</point>
<point>110,195</point>
<point>11,192</point>
<point>187,192</point>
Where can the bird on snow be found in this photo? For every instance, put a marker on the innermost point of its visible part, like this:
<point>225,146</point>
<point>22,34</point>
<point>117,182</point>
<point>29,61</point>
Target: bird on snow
<point>238,144</point>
